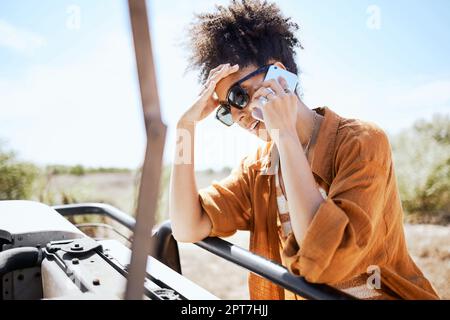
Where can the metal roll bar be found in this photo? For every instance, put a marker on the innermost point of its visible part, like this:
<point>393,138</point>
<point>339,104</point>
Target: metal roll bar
<point>166,246</point>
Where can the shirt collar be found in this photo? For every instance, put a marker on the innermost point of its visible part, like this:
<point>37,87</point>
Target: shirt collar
<point>322,159</point>
<point>322,162</point>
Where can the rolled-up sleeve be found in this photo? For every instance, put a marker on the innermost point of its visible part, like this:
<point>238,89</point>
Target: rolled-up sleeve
<point>228,202</point>
<point>348,226</point>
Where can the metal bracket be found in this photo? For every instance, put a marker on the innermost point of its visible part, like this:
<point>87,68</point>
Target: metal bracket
<point>75,247</point>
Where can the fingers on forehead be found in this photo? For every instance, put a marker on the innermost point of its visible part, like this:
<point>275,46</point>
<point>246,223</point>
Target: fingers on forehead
<point>219,68</point>
<point>216,68</point>
<point>217,76</point>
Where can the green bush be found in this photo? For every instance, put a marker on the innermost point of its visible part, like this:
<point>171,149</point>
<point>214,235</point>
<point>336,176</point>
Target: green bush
<point>436,194</point>
<point>422,163</point>
<point>77,170</point>
<point>80,170</point>
<point>16,178</point>
<point>57,169</point>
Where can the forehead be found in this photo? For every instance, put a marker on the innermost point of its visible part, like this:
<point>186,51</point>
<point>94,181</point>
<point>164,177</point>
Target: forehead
<point>224,84</point>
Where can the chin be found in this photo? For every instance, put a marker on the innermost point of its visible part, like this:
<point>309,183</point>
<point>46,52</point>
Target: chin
<point>264,137</point>
<point>262,133</point>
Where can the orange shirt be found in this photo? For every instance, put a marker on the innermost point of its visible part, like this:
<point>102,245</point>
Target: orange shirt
<point>358,226</point>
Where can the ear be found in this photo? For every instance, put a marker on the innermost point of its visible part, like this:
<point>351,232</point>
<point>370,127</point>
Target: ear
<point>279,65</point>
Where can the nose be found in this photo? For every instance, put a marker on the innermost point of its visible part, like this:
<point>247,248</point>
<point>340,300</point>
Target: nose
<point>243,116</point>
<point>238,114</point>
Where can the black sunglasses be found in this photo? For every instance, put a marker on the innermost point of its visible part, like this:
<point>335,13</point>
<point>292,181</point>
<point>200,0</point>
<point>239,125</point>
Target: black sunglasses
<point>237,97</point>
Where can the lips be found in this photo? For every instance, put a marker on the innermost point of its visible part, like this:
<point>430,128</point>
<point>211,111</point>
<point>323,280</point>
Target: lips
<point>253,125</point>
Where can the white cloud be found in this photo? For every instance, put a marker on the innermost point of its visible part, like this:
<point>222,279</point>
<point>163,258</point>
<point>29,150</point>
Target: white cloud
<point>19,39</point>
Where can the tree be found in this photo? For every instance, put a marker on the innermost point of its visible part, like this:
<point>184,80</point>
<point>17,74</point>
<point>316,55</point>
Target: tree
<point>422,164</point>
<point>16,178</point>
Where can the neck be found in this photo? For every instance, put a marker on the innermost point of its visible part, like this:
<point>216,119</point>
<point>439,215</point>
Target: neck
<point>305,123</point>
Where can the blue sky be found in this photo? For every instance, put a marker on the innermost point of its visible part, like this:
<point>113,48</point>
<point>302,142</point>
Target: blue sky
<point>69,92</point>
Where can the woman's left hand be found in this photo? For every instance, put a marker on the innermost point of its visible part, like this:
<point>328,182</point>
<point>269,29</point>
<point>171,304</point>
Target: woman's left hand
<point>280,111</point>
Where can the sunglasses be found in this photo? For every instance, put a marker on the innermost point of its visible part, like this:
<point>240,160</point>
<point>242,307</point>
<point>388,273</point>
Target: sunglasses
<point>237,97</point>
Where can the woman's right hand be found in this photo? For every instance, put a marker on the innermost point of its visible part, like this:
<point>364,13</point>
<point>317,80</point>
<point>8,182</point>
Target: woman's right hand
<point>206,101</point>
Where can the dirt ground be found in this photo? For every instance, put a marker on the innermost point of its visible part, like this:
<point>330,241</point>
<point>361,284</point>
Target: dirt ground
<point>429,246</point>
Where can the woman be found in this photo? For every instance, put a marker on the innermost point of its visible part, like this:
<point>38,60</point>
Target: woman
<point>320,197</point>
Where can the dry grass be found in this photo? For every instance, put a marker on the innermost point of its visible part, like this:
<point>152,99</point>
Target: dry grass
<point>116,189</point>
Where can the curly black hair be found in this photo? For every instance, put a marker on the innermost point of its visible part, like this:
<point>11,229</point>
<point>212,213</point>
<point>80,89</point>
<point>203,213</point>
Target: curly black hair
<point>246,32</point>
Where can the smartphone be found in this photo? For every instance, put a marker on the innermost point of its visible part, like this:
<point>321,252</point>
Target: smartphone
<point>273,73</point>
<point>291,78</point>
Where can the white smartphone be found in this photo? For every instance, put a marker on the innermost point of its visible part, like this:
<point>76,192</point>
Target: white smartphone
<point>291,78</point>
<point>273,73</point>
